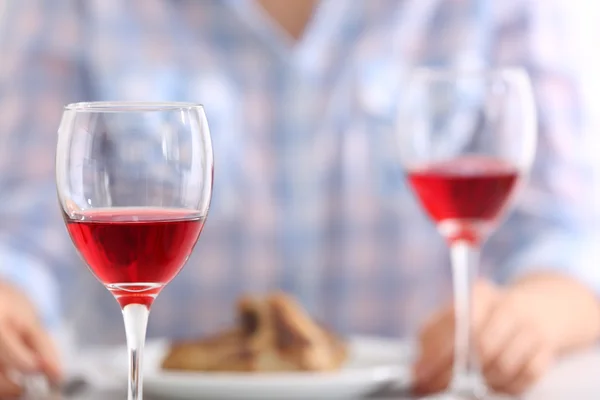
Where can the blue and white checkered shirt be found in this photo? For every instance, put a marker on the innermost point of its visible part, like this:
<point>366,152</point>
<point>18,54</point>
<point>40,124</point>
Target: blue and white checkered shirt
<point>307,195</point>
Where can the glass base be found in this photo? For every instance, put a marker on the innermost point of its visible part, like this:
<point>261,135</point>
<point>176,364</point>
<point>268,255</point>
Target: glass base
<point>470,387</point>
<point>450,396</point>
<point>466,396</point>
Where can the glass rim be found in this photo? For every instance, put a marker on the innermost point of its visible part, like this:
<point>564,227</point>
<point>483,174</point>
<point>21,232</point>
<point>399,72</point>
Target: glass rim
<point>131,106</point>
<point>441,73</point>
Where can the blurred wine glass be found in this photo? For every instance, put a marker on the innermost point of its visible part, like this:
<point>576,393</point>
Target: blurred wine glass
<point>467,141</point>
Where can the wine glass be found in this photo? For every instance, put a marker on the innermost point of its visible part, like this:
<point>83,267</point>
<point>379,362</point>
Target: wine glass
<point>467,141</point>
<point>134,182</point>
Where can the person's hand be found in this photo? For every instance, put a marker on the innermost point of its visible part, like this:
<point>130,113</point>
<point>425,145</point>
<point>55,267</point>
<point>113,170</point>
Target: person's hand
<point>25,347</point>
<point>511,349</point>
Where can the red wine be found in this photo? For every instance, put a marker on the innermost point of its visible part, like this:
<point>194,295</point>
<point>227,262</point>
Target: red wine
<point>466,190</point>
<point>135,251</point>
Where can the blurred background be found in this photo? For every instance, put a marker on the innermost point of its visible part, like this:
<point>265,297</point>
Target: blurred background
<point>309,195</point>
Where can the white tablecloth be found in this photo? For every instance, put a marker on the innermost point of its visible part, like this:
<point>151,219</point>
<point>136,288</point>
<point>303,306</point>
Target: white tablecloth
<point>576,377</point>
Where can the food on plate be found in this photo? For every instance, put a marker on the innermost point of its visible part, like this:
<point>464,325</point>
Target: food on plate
<point>273,334</point>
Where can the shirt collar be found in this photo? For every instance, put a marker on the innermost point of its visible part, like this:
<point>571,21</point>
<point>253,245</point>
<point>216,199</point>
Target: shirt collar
<point>329,24</point>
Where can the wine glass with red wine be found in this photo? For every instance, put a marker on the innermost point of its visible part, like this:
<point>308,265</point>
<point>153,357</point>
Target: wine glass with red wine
<point>467,142</point>
<point>134,182</point>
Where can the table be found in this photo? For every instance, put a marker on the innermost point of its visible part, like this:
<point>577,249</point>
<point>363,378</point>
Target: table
<point>576,377</point>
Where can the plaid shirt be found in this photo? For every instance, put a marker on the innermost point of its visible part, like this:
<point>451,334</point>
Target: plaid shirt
<point>307,197</point>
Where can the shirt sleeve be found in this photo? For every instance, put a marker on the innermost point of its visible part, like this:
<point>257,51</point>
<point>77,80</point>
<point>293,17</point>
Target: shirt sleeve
<point>35,279</point>
<point>39,73</point>
<point>554,226</point>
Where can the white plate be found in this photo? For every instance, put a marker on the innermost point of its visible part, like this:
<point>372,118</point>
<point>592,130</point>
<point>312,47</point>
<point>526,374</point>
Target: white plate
<point>372,363</point>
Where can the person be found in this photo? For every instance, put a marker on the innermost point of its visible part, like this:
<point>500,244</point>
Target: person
<point>305,197</point>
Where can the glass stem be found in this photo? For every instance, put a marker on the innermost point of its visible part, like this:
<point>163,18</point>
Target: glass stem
<point>465,259</point>
<point>136,321</point>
